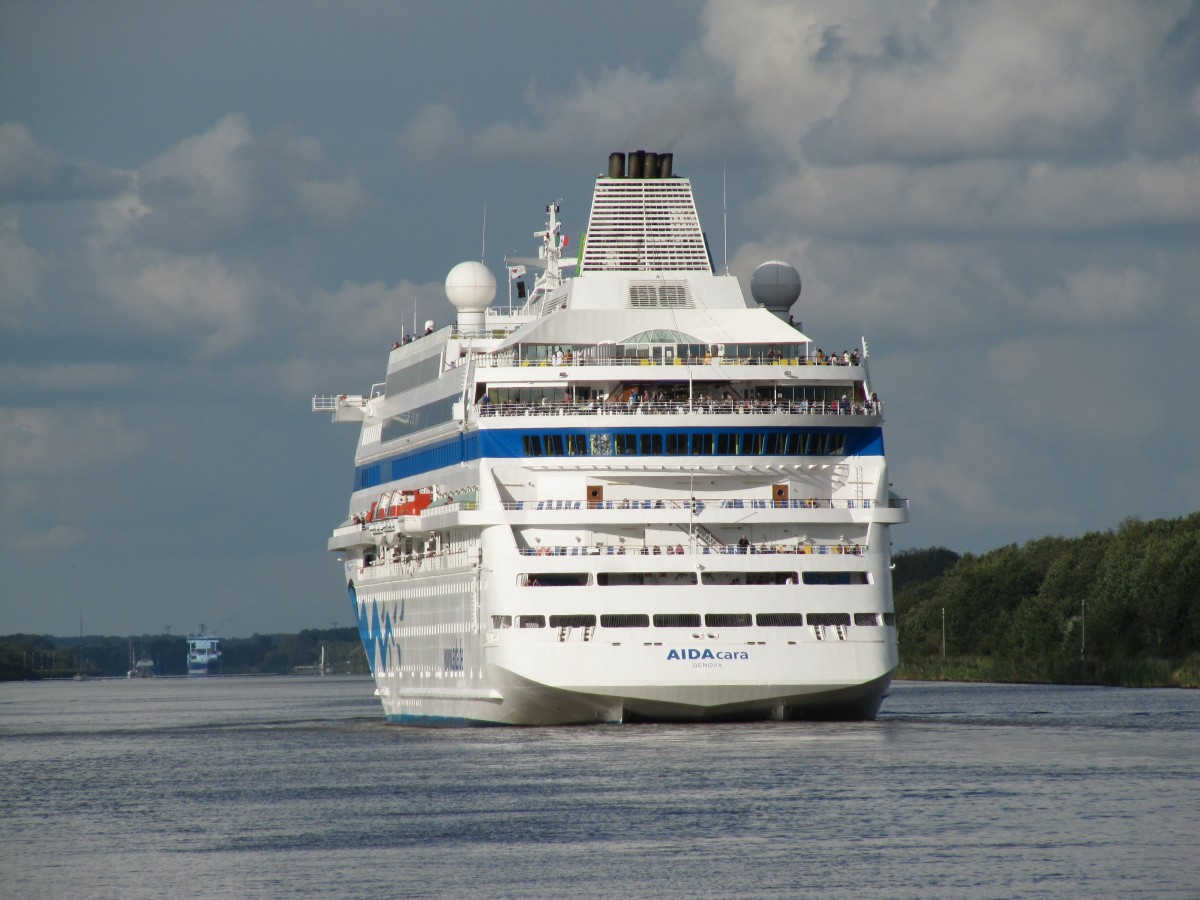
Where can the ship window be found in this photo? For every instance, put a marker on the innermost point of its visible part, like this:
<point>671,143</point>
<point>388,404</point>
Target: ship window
<point>676,620</point>
<point>889,619</point>
<point>575,621</point>
<point>410,376</point>
<point>658,443</point>
<point>556,580</point>
<point>647,579</point>
<point>835,578</point>
<point>601,444</point>
<point>866,618</point>
<point>531,622</point>
<point>618,579</point>
<point>779,620</point>
<point>829,618</point>
<point>748,578</point>
<point>418,419</point>
<point>502,621</point>
<point>728,620</point>
<point>625,620</point>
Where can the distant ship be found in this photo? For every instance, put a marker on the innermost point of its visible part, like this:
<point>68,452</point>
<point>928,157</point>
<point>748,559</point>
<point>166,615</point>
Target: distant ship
<point>634,495</point>
<point>204,654</point>
<point>140,665</point>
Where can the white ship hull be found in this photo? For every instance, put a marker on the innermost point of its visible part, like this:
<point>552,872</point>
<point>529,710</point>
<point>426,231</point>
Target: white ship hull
<point>684,516</point>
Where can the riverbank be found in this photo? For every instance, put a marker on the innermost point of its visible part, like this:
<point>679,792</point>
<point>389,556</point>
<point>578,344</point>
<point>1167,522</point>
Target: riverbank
<point>1136,673</point>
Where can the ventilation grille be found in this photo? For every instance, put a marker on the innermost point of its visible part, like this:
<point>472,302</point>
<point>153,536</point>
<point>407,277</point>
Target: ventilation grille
<point>660,295</point>
<point>644,226</point>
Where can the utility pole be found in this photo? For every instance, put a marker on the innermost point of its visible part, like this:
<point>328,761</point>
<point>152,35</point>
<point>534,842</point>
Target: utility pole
<point>943,632</point>
<point>1082,628</point>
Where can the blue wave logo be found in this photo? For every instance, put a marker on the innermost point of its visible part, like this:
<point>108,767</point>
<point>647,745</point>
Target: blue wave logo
<point>375,632</point>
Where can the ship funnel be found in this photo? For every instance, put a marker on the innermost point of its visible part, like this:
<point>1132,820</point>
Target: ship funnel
<point>642,164</point>
<point>637,162</point>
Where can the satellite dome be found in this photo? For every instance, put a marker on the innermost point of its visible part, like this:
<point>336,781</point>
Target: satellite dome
<point>471,287</point>
<point>775,285</point>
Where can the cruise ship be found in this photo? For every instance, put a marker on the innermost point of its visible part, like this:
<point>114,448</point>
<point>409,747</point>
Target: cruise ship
<point>630,493</point>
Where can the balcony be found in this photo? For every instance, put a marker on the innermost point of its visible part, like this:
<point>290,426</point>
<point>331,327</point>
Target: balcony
<point>683,408</point>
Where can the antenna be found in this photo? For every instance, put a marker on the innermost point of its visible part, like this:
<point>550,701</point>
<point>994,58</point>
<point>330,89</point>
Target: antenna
<point>725,217</point>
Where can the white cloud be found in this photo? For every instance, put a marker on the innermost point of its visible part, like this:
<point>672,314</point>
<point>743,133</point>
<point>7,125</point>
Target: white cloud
<point>1100,295</point>
<point>21,268</point>
<point>434,130</point>
<point>170,255</point>
<point>53,441</point>
<point>620,109</point>
<point>29,172</point>
<point>1075,386</point>
<point>926,81</point>
<point>59,537</point>
<point>215,188</point>
<point>67,378</point>
<point>371,316</point>
<point>195,298</point>
<point>987,197</point>
<point>332,203</point>
<point>967,476</point>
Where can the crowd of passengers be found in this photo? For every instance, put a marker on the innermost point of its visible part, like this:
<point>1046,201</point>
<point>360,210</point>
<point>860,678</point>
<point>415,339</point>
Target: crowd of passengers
<point>560,357</point>
<point>677,549</point>
<point>396,555</point>
<point>637,400</point>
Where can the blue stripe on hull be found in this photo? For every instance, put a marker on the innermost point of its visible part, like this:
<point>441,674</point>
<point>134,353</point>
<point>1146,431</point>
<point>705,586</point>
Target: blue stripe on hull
<point>509,444</point>
<point>440,721</point>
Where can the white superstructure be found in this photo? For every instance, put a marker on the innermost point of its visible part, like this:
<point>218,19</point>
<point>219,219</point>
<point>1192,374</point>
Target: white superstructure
<point>204,654</point>
<point>634,495</point>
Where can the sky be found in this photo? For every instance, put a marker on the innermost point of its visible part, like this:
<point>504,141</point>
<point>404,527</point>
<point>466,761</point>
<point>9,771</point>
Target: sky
<point>210,212</point>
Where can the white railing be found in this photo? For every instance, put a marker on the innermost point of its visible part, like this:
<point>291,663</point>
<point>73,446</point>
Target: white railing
<point>680,549</point>
<point>416,564</point>
<point>685,407</point>
<point>380,522</point>
<point>331,402</point>
<point>699,505</point>
<point>578,359</point>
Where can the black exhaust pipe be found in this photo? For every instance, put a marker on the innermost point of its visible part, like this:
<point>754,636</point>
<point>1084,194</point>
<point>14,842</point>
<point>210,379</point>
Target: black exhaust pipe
<point>637,162</point>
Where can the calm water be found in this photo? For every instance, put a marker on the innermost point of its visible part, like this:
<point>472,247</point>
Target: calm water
<point>247,787</point>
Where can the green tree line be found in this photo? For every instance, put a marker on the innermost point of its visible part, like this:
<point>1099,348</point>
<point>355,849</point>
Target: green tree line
<point>1113,607</point>
<point>33,656</point>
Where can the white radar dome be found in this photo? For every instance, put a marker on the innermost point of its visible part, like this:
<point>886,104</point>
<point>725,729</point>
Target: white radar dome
<point>471,287</point>
<point>775,285</point>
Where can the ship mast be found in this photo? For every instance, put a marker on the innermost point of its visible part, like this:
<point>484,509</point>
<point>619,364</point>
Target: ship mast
<point>549,259</point>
